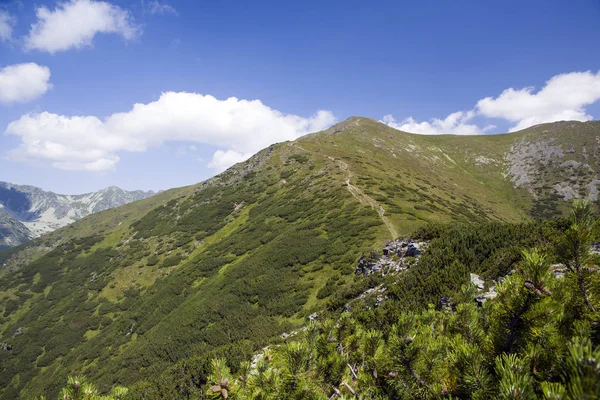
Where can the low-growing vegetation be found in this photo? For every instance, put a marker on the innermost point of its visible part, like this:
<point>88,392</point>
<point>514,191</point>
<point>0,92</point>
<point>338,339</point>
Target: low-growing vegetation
<point>539,338</point>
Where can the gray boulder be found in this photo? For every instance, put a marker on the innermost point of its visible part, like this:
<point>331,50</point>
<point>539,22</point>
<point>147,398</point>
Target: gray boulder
<point>477,281</point>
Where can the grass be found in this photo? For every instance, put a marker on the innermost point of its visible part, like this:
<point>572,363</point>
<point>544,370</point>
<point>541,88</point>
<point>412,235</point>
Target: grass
<point>91,333</point>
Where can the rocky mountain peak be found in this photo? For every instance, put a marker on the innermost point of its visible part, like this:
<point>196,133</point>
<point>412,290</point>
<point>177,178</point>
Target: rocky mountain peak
<point>29,212</point>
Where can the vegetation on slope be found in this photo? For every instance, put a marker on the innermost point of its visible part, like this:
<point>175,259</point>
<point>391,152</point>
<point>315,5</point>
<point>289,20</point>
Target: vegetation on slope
<point>235,266</point>
<point>539,338</point>
<point>101,223</point>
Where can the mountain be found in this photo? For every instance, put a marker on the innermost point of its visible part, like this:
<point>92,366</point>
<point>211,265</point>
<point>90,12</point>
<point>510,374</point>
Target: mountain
<point>223,267</point>
<point>28,212</point>
<point>12,231</point>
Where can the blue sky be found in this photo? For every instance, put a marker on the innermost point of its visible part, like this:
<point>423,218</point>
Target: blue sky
<point>68,120</point>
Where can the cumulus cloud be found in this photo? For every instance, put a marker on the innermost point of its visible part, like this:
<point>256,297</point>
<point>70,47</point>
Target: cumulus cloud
<point>74,24</point>
<point>456,123</point>
<point>154,7</point>
<point>20,83</point>
<point>222,160</point>
<point>7,22</point>
<point>563,98</point>
<point>238,127</point>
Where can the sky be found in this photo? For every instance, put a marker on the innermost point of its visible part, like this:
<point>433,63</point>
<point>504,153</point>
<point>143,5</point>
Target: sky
<point>157,94</point>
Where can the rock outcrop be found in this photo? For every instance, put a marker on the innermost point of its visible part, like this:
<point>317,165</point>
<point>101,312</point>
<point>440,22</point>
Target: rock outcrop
<point>477,281</point>
<point>397,255</point>
<point>480,285</point>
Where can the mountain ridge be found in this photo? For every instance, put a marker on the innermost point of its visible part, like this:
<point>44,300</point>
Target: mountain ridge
<point>40,211</point>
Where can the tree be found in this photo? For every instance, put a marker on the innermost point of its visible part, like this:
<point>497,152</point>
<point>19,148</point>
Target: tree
<point>574,250</point>
<point>515,380</point>
<point>78,388</point>
<point>518,310</point>
<point>221,384</point>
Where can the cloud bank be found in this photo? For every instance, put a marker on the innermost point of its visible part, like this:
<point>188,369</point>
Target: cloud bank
<point>75,23</point>
<point>564,97</point>
<point>238,127</point>
<point>20,83</point>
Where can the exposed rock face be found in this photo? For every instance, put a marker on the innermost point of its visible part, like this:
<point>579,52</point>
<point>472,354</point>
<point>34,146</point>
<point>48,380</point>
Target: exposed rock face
<point>524,159</point>
<point>567,192</point>
<point>397,255</point>
<point>592,188</point>
<point>379,291</point>
<point>489,295</point>
<point>480,285</point>
<point>12,231</point>
<point>27,212</point>
<point>477,281</point>
<point>549,165</point>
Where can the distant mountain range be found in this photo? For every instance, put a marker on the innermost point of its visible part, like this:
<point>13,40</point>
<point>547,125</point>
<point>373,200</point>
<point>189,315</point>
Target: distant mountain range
<point>27,212</point>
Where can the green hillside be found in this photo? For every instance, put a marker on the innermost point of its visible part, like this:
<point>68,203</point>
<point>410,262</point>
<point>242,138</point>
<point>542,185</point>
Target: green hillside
<point>536,336</point>
<point>222,268</point>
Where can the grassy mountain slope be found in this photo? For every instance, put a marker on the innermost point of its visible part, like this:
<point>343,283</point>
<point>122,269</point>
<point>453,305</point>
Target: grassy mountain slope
<point>226,265</point>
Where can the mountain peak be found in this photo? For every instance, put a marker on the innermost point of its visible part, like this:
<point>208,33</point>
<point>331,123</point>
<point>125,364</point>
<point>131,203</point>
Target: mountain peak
<point>112,188</point>
<point>34,211</point>
<point>352,122</point>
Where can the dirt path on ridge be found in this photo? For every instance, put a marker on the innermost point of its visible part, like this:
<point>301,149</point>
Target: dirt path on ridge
<point>357,192</point>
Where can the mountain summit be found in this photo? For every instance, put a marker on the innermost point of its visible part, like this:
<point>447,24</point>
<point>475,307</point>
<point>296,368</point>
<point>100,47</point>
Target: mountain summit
<point>28,212</point>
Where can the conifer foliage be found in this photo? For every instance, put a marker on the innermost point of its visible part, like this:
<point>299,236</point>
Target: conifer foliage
<point>537,339</point>
<point>78,388</point>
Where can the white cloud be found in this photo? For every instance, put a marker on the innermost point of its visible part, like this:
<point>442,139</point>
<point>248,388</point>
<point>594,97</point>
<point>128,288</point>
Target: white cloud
<point>456,123</point>
<point>564,97</point>
<point>222,160</point>
<point>154,7</point>
<point>7,22</point>
<point>238,127</point>
<point>74,24</point>
<point>23,82</point>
